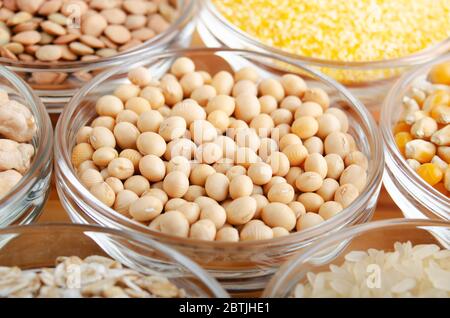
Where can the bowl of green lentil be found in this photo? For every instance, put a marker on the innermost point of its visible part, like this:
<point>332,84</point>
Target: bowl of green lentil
<point>57,46</point>
<point>351,41</point>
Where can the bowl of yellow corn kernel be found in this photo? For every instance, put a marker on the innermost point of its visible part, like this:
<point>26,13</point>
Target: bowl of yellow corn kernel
<point>415,124</point>
<point>363,44</point>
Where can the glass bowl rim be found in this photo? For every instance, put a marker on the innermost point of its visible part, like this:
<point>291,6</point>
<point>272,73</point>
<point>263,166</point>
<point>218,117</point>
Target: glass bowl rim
<point>43,149</point>
<point>416,58</point>
<point>63,166</point>
<point>275,283</point>
<point>147,46</point>
<point>210,282</point>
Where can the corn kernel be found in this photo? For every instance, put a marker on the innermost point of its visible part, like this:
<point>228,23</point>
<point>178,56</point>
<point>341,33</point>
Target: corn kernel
<point>401,139</point>
<point>441,164</point>
<point>440,74</point>
<point>442,136</point>
<point>441,114</point>
<point>421,150</point>
<point>437,98</point>
<point>402,127</point>
<point>447,179</point>
<point>414,164</point>
<point>424,128</point>
<point>444,153</point>
<point>430,173</point>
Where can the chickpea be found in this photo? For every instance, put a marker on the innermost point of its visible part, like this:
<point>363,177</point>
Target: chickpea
<point>298,208</point>
<point>127,116</point>
<point>83,134</point>
<point>150,121</point>
<point>270,86</point>
<point>256,230</point>
<point>328,123</point>
<point>227,234</point>
<point>123,201</point>
<point>224,103</point>
<point>289,139</point>
<point>279,232</point>
<point>109,105</point>
<point>318,96</point>
<point>328,189</point>
<point>346,194</point>
<point>121,168</point>
<point>176,184</point>
<point>103,192</point>
<point>261,202</point>
<point>244,86</point>
<point>102,137</point>
<point>311,201</point>
<point>314,145</point>
<point>241,210</point>
<point>247,107</point>
<point>278,214</point>
<point>247,73</point>
<point>262,124</point>
<point>293,85</point>
<point>190,210</point>
<point>174,223</point>
<point>200,173</point>
<point>202,131</point>
<point>174,204</point>
<point>203,94</point>
<point>291,103</point>
<point>115,184</point>
<point>137,184</point>
<point>203,230</point>
<point>126,135</point>
<point>341,116</point>
<point>182,66</point>
<point>330,209</point>
<point>281,116</point>
<point>309,220</point>
<point>104,121</point>
<point>145,209</point>
<point>267,147</point>
<point>316,163</point>
<point>223,82</point>
<point>214,213</point>
<point>296,154</point>
<point>152,167</point>
<point>357,158</point>
<point>133,155</point>
<point>240,186</point>
<point>138,104</point>
<point>268,104</point>
<point>216,186</point>
<point>281,192</point>
<point>190,81</point>
<point>305,127</point>
<point>355,175</point>
<point>194,192</point>
<point>308,109</point>
<point>126,91</point>
<point>338,143</point>
<point>235,172</point>
<point>154,96</point>
<point>208,153</point>
<point>103,156</point>
<point>89,177</point>
<point>335,166</point>
<point>157,193</point>
<point>260,173</point>
<point>279,163</point>
<point>150,143</point>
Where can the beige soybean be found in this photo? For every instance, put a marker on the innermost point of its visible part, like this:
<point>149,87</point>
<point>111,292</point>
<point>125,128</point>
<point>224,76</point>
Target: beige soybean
<point>190,210</point>
<point>138,104</point>
<point>293,85</point>
<point>214,213</point>
<point>223,82</point>
<point>154,96</point>
<point>176,184</point>
<point>241,210</point>
<point>115,184</point>
<point>346,194</point>
<point>109,105</point>
<point>262,124</point>
<point>261,202</point>
<point>341,116</point>
<point>335,166</point>
<point>328,123</point>
<point>174,204</point>
<point>281,116</point>
<point>179,163</point>
<point>337,143</point>
<point>256,230</point>
<point>309,181</point>
<point>281,192</point>
<point>298,208</point>
<point>240,186</point>
<point>289,139</point>
<point>150,143</point>
<point>293,174</point>
<point>270,86</point>
<point>309,220</point>
<point>157,193</point>
<point>221,102</point>
<point>244,86</point>
<point>140,76</point>
<point>260,173</point>
<point>268,104</point>
<point>279,232</point>
<point>123,201</point>
<point>104,193</point>
<point>316,163</point>
<point>296,154</point>
<point>267,147</point>
<point>121,168</point>
<point>203,230</point>
<point>247,73</point>
<point>145,209</point>
<point>172,128</point>
<point>279,163</point>
<point>89,177</point>
<point>133,155</point>
<point>247,107</point>
<point>356,175</point>
<point>227,234</point>
<point>102,137</point>
<point>277,214</point>
<point>189,110</point>
<point>274,180</point>
<point>208,153</point>
<point>330,209</point>
<point>236,171</point>
<point>126,135</point>
<point>174,223</point>
<point>328,189</point>
<point>311,201</point>
<point>216,186</point>
<point>103,156</point>
<point>314,145</point>
<point>191,81</point>
<point>203,94</point>
<point>138,184</point>
<point>317,95</point>
<point>128,116</point>
<point>305,127</point>
<point>104,121</point>
<point>182,66</point>
<point>308,109</point>
<point>291,103</point>
<point>81,153</point>
<point>358,158</point>
<point>200,173</point>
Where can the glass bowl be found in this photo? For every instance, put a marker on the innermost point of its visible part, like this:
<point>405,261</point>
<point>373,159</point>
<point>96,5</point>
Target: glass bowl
<point>25,201</point>
<point>415,197</point>
<point>55,83</point>
<point>368,81</point>
<point>37,246</point>
<point>239,266</point>
<point>379,235</point>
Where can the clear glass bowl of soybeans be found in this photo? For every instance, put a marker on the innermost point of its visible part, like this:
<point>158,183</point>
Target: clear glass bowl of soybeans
<point>57,47</point>
<point>367,60</point>
<point>240,266</point>
<point>23,203</point>
<point>389,259</point>
<point>417,161</point>
<point>91,261</point>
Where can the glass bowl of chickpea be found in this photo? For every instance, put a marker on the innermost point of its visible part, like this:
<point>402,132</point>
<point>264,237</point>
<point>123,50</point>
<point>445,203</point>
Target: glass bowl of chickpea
<point>57,47</point>
<point>80,257</point>
<point>416,131</point>
<point>26,151</point>
<point>229,239</point>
